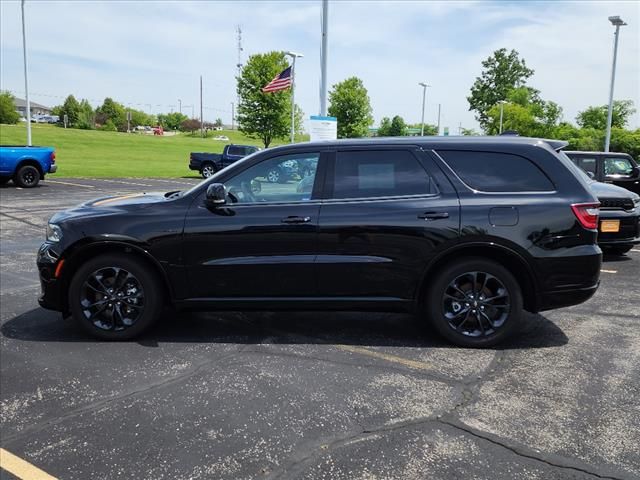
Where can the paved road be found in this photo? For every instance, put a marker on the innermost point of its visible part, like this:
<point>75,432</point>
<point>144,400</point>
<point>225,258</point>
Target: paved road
<point>307,395</point>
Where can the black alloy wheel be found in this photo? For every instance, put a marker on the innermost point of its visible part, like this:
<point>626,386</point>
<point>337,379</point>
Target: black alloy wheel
<point>475,302</point>
<point>115,297</point>
<point>27,176</point>
<point>112,299</point>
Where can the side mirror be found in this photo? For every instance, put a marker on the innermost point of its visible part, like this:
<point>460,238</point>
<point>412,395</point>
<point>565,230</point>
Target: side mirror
<point>636,172</point>
<point>216,195</point>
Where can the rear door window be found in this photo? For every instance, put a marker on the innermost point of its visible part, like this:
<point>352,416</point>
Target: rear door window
<point>380,173</point>
<point>235,151</point>
<point>497,172</point>
<point>588,164</point>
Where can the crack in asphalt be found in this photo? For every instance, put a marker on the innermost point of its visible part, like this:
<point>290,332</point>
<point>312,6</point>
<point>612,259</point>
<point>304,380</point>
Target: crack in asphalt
<point>22,220</point>
<point>9,438</point>
<point>558,462</point>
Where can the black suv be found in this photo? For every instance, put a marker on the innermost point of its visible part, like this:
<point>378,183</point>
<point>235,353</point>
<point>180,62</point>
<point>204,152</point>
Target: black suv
<point>466,232</point>
<point>609,167</point>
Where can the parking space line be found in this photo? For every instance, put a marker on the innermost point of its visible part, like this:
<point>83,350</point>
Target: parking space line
<point>635,250</point>
<point>385,356</point>
<point>608,271</point>
<point>123,182</point>
<point>21,468</point>
<point>69,183</point>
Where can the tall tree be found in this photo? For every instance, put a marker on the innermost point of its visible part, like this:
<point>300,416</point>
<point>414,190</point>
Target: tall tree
<point>596,117</point>
<point>8,113</point>
<point>263,115</point>
<point>502,72</point>
<point>349,103</point>
<point>70,108</point>
<point>398,127</point>
<point>384,130</point>
<point>172,121</point>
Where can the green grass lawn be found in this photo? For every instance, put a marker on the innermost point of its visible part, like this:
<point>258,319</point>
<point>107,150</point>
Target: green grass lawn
<point>92,153</point>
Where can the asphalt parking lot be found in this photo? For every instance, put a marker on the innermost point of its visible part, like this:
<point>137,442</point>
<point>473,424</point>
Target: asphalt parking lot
<point>310,395</point>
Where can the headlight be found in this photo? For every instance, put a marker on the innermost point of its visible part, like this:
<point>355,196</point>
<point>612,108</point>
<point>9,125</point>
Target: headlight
<point>54,233</point>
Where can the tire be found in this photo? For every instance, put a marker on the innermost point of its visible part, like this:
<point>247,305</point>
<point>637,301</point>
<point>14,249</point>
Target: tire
<point>451,299</point>
<point>113,316</point>
<point>274,175</point>
<point>27,176</point>
<point>616,250</point>
<point>207,170</point>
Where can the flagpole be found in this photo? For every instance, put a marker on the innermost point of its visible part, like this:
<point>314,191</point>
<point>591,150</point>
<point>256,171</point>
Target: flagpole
<point>293,56</point>
<point>293,100</point>
<point>26,80</point>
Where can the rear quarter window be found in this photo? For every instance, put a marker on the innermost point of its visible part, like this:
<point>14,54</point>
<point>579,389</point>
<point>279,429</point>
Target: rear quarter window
<point>497,172</point>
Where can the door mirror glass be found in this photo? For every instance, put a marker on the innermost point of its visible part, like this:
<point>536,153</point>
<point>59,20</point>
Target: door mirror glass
<point>216,194</point>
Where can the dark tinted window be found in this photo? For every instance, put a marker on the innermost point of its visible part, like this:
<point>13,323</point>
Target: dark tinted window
<point>380,173</point>
<point>236,151</point>
<point>497,172</point>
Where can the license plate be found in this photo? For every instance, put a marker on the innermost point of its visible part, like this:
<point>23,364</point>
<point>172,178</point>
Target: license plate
<point>610,226</point>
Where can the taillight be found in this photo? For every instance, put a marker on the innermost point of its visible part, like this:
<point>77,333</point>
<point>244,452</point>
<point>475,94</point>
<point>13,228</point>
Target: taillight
<point>587,214</point>
<point>53,157</point>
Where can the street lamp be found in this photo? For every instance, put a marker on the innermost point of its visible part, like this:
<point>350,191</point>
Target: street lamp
<point>617,22</point>
<point>501,102</point>
<point>424,96</point>
<point>293,56</point>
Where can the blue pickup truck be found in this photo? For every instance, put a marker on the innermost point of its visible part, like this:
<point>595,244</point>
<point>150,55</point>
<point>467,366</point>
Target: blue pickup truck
<point>26,166</point>
<point>209,163</point>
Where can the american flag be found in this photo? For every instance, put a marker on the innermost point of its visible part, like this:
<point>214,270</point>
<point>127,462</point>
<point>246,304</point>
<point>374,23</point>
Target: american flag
<point>279,82</point>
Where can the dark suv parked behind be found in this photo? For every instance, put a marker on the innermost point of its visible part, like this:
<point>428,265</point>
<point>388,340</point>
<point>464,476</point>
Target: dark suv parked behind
<point>466,232</point>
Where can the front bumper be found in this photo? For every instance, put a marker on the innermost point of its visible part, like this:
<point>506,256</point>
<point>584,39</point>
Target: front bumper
<point>52,296</point>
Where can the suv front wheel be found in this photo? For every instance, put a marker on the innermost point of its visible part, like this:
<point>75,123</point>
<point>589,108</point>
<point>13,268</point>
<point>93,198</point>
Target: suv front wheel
<point>475,302</point>
<point>115,297</point>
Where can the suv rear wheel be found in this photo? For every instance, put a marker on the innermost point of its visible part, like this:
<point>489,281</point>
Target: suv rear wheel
<point>475,302</point>
<point>115,297</point>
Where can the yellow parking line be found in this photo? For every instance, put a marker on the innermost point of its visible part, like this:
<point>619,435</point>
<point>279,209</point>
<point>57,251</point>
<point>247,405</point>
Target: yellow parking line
<point>608,271</point>
<point>20,468</point>
<point>385,356</point>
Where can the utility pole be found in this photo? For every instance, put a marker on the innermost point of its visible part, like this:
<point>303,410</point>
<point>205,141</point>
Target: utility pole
<point>460,128</point>
<point>201,113</point>
<point>501,102</point>
<point>26,80</point>
<point>323,58</point>
<point>180,105</point>
<point>233,116</point>
<point>439,105</point>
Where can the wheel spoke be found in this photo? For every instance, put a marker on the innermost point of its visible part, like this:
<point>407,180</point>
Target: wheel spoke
<point>480,323</point>
<point>464,320</point>
<point>488,319</point>
<point>97,312</point>
<point>496,297</point>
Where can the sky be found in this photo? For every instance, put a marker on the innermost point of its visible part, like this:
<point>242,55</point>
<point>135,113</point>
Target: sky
<point>150,54</point>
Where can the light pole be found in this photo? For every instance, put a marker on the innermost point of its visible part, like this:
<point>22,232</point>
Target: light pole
<point>293,56</point>
<point>617,22</point>
<point>26,81</point>
<point>501,102</point>
<point>323,58</point>
<point>424,96</point>
<point>180,105</point>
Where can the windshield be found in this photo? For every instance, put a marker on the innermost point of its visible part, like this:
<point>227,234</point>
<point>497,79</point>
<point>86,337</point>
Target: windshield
<point>213,178</point>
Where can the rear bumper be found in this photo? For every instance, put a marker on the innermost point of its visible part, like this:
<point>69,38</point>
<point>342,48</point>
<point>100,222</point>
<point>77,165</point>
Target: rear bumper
<point>53,168</point>
<point>569,279</point>
<point>194,165</point>
<point>565,298</point>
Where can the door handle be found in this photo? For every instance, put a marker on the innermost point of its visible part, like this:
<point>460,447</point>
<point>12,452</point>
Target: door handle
<point>294,219</point>
<point>433,215</point>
